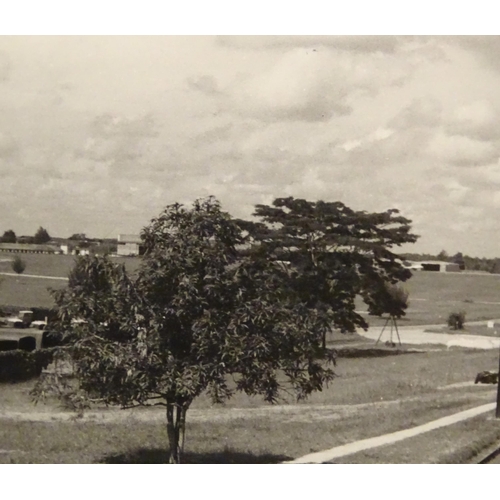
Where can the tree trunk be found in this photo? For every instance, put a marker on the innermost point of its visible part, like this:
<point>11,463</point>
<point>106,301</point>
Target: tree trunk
<point>176,428</point>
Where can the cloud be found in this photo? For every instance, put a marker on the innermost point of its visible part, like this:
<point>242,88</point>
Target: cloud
<point>8,146</point>
<point>485,47</point>
<point>422,112</point>
<point>203,83</point>
<point>118,141</point>
<point>5,67</point>
<point>461,150</point>
<point>352,43</point>
<point>304,85</point>
<point>478,120</point>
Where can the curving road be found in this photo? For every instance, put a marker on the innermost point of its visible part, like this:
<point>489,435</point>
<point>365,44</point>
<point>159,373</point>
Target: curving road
<point>417,335</point>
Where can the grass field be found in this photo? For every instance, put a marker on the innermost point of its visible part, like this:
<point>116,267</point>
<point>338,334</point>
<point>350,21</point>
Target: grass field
<point>482,330</point>
<point>459,443</point>
<point>25,292</point>
<point>370,397</point>
<point>432,295</point>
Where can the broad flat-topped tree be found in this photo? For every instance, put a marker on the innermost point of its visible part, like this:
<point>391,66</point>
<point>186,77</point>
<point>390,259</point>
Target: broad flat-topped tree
<point>199,316</point>
<point>333,254</point>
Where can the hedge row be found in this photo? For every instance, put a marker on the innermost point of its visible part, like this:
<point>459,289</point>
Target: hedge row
<point>39,313</point>
<point>18,365</point>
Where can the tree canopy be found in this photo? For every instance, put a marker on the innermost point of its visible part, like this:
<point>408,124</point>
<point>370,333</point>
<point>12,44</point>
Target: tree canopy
<point>220,305</point>
<point>9,236</point>
<point>199,316</point>
<point>41,236</point>
<point>334,253</point>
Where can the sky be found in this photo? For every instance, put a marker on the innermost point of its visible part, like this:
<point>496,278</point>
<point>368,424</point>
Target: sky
<point>98,133</point>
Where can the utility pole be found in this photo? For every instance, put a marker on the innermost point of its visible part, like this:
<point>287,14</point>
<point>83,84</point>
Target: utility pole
<point>497,413</point>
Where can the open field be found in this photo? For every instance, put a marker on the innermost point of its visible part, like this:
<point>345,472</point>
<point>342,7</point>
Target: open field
<point>25,292</point>
<point>433,296</point>
<point>371,396</point>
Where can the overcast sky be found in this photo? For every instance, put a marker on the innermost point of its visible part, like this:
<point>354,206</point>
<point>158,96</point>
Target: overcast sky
<point>98,134</point>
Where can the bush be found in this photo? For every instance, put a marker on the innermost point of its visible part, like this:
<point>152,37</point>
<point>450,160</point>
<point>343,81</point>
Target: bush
<point>18,365</point>
<point>456,320</point>
<point>18,265</point>
<point>389,299</point>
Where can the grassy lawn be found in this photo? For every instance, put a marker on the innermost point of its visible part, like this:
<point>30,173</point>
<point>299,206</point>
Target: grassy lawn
<point>22,291</point>
<point>55,265</point>
<point>459,443</point>
<point>482,330</point>
<point>371,396</point>
<point>251,439</point>
<point>434,295</point>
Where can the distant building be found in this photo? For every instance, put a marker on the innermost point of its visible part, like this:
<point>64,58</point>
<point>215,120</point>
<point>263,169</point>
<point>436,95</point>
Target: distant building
<point>28,248</point>
<point>440,266</point>
<point>129,244</point>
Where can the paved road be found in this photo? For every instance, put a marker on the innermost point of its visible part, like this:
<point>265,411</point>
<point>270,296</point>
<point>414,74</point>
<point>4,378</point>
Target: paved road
<point>417,335</point>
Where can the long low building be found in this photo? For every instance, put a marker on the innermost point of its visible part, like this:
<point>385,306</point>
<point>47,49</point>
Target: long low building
<point>28,248</point>
<point>436,266</point>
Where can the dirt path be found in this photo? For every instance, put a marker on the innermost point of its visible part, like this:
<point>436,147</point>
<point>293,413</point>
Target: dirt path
<point>284,413</point>
<point>34,276</point>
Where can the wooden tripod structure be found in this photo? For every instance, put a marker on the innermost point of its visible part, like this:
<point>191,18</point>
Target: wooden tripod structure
<point>394,327</point>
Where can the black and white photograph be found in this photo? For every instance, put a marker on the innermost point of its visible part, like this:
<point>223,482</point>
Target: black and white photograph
<point>249,249</point>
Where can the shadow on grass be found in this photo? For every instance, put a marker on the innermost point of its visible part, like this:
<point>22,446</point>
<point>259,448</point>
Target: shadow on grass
<point>160,456</point>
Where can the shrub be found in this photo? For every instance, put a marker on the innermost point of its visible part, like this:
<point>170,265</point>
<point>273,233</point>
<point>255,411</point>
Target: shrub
<point>18,265</point>
<point>18,365</point>
<point>389,299</point>
<point>456,320</point>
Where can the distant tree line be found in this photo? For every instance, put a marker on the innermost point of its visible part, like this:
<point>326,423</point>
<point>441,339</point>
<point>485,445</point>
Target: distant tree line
<point>41,236</point>
<point>77,240</point>
<point>464,261</point>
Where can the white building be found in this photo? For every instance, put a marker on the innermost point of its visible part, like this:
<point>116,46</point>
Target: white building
<point>129,244</point>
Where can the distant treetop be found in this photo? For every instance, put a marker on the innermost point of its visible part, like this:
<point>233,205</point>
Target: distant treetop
<point>41,236</point>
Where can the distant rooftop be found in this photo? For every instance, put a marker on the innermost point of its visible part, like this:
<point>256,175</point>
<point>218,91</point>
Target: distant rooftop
<point>129,238</point>
<point>31,247</point>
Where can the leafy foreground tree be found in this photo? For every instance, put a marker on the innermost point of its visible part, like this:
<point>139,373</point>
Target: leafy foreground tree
<point>199,316</point>
<point>333,254</point>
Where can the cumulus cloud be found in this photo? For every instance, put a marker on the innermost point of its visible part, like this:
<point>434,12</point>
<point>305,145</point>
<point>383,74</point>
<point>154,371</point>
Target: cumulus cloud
<point>5,67</point>
<point>478,119</point>
<point>364,43</point>
<point>461,150</point>
<point>422,112</point>
<point>376,122</point>
<point>118,141</point>
<point>304,84</point>
<point>486,47</point>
